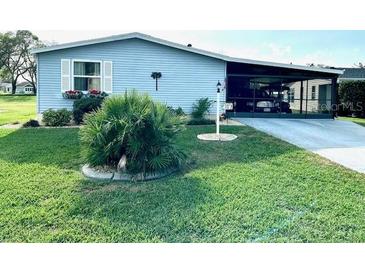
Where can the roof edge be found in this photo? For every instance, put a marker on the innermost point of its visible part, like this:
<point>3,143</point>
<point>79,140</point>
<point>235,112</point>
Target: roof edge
<point>142,36</point>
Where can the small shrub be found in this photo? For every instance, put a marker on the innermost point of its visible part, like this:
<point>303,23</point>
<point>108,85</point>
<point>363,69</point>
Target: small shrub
<point>178,111</point>
<point>133,131</point>
<point>31,123</point>
<point>85,105</point>
<point>201,108</point>
<point>201,122</point>
<point>56,118</point>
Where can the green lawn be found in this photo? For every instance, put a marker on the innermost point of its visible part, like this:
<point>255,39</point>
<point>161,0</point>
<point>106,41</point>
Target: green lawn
<point>17,108</point>
<point>360,121</point>
<point>254,189</point>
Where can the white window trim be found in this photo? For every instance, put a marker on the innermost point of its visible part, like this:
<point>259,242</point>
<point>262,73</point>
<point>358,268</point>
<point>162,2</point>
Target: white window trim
<point>314,92</point>
<point>85,76</point>
<point>109,77</point>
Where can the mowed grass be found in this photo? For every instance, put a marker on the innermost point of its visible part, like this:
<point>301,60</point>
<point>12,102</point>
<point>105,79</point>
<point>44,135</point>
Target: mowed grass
<point>360,121</point>
<point>254,189</point>
<point>17,108</point>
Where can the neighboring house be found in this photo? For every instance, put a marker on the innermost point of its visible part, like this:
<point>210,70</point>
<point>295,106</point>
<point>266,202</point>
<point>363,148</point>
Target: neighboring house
<point>319,90</point>
<point>125,62</point>
<point>5,87</point>
<point>24,88</point>
<point>316,95</point>
<point>352,74</point>
<point>21,88</point>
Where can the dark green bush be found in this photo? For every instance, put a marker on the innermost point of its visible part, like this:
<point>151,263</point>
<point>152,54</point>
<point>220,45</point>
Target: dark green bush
<point>132,128</point>
<point>31,123</point>
<point>352,97</point>
<point>56,118</point>
<point>201,108</point>
<point>85,105</point>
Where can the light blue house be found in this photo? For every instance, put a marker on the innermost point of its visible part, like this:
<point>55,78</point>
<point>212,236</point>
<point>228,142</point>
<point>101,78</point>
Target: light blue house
<point>124,62</point>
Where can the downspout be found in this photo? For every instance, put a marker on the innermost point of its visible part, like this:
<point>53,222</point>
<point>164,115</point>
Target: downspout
<point>301,97</point>
<point>225,86</point>
<point>37,83</point>
<point>306,100</point>
<point>333,96</point>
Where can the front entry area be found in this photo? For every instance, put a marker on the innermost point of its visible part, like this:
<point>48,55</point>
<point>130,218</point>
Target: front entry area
<point>273,92</point>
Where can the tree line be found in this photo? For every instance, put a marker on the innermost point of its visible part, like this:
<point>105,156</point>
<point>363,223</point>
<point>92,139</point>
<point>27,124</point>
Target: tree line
<point>16,61</point>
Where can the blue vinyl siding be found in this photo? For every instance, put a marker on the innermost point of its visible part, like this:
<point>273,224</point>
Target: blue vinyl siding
<point>186,76</point>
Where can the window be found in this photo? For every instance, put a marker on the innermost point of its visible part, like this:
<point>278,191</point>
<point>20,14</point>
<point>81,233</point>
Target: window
<point>87,76</point>
<point>28,89</point>
<point>291,93</point>
<point>313,92</point>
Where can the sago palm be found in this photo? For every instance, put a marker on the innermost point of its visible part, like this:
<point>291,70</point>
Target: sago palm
<point>136,128</point>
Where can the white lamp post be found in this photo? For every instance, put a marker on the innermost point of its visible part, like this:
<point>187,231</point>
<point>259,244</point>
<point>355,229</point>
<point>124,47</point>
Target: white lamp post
<point>217,136</point>
<point>218,105</point>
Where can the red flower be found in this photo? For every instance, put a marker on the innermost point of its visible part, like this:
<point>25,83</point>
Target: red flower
<point>94,92</point>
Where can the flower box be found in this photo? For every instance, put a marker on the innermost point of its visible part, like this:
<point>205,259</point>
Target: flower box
<point>76,94</point>
<point>72,94</point>
<point>97,93</point>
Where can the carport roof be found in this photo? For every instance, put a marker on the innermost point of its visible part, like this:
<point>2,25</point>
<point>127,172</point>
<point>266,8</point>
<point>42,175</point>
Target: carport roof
<point>137,35</point>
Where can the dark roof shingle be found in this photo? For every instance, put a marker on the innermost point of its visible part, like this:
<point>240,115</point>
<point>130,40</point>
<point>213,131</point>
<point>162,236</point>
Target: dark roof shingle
<point>353,73</point>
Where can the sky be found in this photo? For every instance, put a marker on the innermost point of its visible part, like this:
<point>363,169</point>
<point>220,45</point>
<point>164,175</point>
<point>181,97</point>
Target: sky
<point>332,48</point>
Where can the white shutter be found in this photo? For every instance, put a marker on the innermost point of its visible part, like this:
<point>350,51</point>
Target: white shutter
<point>108,76</point>
<point>65,75</point>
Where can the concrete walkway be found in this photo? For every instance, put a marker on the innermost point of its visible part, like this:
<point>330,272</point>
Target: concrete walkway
<point>342,142</point>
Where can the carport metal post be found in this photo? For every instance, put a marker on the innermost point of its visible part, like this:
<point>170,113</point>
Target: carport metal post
<point>301,97</point>
<point>306,100</point>
<point>333,96</point>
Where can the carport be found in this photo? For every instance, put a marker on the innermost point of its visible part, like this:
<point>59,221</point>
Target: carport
<point>272,90</point>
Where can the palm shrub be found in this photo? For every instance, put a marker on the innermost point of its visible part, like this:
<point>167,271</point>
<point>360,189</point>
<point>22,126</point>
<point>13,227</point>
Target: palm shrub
<point>201,108</point>
<point>199,111</point>
<point>134,127</point>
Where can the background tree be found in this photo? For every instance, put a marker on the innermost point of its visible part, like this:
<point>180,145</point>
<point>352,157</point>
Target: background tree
<point>318,65</point>
<point>359,65</point>
<point>10,58</point>
<point>15,58</point>
<point>29,67</point>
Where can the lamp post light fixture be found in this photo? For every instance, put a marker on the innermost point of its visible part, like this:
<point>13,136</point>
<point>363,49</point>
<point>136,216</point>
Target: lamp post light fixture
<point>218,105</point>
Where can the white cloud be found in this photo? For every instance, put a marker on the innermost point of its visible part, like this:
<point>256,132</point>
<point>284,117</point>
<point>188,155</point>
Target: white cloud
<point>266,52</point>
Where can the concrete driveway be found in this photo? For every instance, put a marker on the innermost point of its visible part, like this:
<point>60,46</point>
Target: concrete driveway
<point>342,142</point>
